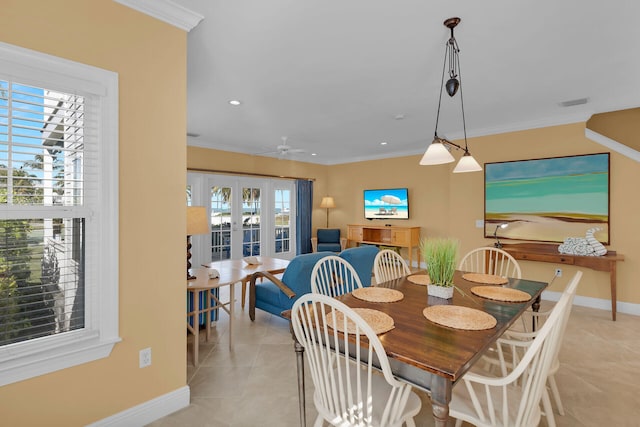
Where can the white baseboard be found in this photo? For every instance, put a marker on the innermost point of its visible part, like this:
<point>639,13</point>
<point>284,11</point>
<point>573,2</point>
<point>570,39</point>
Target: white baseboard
<point>149,411</point>
<point>599,303</point>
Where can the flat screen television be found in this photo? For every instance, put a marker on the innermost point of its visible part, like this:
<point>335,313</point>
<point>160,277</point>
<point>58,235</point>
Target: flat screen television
<point>388,203</point>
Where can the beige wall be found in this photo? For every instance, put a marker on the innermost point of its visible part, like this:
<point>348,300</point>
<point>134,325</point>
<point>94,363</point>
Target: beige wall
<point>150,58</point>
<point>622,126</point>
<point>447,204</point>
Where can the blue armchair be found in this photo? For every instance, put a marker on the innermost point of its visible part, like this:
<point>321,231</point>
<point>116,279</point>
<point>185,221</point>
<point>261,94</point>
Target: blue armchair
<point>328,239</point>
<point>362,259</point>
<point>275,295</point>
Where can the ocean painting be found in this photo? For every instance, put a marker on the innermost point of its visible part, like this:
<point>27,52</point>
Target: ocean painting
<point>548,199</point>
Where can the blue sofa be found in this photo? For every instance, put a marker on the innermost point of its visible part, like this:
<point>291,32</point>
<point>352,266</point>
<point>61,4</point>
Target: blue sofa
<point>275,295</point>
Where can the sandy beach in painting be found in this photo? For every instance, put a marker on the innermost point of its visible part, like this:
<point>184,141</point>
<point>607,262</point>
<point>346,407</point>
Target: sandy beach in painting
<point>523,227</point>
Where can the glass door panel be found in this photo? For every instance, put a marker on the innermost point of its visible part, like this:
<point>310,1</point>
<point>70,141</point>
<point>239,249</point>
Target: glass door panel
<point>251,221</point>
<point>282,223</point>
<point>221,199</point>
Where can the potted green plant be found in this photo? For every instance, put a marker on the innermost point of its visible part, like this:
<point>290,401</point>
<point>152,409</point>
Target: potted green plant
<point>440,256</point>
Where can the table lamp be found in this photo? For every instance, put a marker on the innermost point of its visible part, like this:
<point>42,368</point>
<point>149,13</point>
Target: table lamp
<point>327,203</point>
<point>196,224</point>
<point>497,244</point>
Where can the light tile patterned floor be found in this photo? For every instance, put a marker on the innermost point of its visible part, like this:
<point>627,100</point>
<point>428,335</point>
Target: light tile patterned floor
<point>255,384</point>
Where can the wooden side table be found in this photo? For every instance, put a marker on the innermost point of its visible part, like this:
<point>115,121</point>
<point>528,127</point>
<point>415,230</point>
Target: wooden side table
<point>544,252</point>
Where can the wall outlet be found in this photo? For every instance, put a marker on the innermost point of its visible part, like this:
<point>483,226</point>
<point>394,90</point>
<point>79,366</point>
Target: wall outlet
<point>479,223</point>
<point>558,272</point>
<point>145,357</point>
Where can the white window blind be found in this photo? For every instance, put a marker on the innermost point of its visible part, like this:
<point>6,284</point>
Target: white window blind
<point>58,213</point>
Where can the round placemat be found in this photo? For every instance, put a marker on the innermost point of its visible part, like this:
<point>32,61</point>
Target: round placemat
<point>458,317</point>
<point>372,294</point>
<point>499,293</point>
<point>420,279</point>
<point>380,322</point>
<point>490,279</point>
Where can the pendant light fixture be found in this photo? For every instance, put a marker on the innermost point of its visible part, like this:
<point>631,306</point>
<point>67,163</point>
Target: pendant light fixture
<point>438,151</point>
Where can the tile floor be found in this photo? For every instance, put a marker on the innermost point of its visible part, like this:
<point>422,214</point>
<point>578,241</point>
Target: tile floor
<point>255,384</point>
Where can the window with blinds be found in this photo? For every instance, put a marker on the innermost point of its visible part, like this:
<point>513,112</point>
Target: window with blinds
<point>58,252</point>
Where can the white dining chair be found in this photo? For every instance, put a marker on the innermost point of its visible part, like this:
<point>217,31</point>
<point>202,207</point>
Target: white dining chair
<point>511,346</point>
<point>491,261</point>
<point>349,389</point>
<point>514,398</point>
<point>389,265</point>
<point>334,276</point>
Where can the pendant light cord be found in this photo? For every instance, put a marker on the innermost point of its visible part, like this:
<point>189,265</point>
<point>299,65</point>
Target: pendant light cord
<point>444,66</point>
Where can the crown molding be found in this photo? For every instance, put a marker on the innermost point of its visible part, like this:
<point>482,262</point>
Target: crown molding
<point>166,11</point>
<point>612,144</point>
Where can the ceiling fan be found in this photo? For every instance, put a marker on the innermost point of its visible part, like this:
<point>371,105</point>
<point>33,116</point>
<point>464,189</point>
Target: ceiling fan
<point>284,150</point>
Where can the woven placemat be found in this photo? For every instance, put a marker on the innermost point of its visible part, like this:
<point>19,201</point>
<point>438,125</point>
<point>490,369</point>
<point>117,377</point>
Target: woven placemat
<point>420,279</point>
<point>372,294</point>
<point>380,322</point>
<point>458,317</point>
<point>489,279</point>
<point>499,293</point>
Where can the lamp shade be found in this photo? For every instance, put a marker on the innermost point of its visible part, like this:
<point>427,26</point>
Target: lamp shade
<point>467,164</point>
<point>327,202</point>
<point>197,220</point>
<point>436,154</point>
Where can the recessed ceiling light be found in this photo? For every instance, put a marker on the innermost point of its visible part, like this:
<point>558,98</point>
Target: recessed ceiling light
<point>193,135</point>
<point>235,102</point>
<point>313,154</point>
<point>383,143</point>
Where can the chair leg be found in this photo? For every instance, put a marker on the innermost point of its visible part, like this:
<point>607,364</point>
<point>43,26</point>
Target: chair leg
<point>458,422</point>
<point>548,409</point>
<point>319,421</point>
<point>410,423</point>
<point>556,394</point>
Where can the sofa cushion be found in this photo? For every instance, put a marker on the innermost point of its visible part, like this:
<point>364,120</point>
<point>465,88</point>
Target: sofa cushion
<point>329,247</point>
<point>361,258</point>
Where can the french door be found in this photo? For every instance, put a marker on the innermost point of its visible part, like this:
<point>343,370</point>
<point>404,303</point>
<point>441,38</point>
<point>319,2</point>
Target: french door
<point>248,217</point>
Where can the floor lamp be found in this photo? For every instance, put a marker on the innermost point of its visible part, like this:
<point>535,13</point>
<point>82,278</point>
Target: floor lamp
<point>196,224</point>
<point>327,203</point>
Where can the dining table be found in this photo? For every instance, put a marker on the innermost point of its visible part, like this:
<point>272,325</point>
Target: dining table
<point>428,355</point>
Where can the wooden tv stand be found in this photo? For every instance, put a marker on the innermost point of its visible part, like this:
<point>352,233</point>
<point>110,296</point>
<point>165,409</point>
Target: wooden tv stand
<point>403,237</point>
<point>544,252</point>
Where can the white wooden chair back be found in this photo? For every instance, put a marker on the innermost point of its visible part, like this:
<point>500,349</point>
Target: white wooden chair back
<point>389,265</point>
<point>491,261</point>
<point>347,390</point>
<point>334,276</point>
<point>514,400</point>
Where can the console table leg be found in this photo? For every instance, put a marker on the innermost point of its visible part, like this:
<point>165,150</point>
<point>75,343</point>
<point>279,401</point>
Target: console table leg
<point>612,274</point>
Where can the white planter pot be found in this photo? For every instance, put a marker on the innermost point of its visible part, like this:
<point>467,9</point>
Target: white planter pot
<point>440,291</point>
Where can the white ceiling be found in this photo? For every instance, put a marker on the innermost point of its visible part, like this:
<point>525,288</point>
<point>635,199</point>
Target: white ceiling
<point>334,76</point>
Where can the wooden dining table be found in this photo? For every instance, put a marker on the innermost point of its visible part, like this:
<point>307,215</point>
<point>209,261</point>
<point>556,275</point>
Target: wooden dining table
<point>429,356</point>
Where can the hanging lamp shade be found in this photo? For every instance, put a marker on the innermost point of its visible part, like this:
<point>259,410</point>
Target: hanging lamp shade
<point>436,154</point>
<point>467,164</point>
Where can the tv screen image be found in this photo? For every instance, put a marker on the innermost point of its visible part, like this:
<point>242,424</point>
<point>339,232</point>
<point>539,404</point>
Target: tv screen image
<point>390,203</point>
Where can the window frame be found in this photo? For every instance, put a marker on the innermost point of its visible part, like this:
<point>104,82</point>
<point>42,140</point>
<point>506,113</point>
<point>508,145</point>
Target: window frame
<point>97,338</point>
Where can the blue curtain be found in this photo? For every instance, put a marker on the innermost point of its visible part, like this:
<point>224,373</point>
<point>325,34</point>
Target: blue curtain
<point>303,219</point>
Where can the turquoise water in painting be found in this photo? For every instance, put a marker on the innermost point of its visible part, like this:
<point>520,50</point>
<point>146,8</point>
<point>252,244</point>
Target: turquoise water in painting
<point>585,194</point>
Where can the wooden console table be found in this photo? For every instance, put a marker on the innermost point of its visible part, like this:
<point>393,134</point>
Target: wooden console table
<point>544,252</point>
<point>404,237</point>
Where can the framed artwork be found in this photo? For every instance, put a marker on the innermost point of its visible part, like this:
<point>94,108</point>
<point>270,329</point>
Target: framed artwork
<point>548,199</point>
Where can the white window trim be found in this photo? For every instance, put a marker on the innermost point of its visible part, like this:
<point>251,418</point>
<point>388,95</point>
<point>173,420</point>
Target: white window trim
<point>25,360</point>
